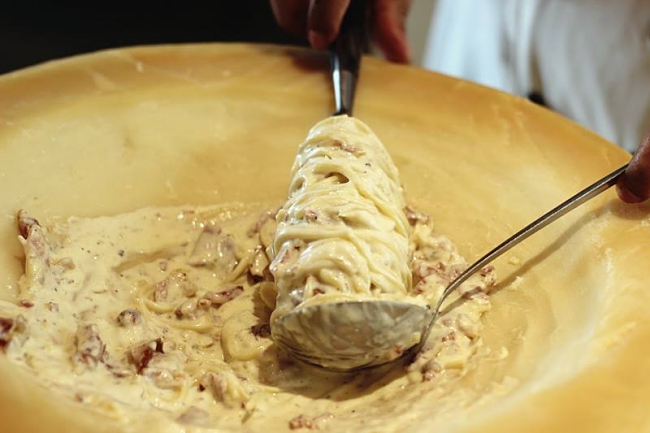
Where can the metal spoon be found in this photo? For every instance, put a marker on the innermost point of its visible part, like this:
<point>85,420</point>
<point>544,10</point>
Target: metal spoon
<point>557,212</point>
<point>345,336</point>
<point>348,336</point>
<point>358,335</point>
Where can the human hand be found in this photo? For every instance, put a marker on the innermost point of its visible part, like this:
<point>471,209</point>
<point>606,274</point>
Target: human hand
<point>634,185</point>
<point>320,21</point>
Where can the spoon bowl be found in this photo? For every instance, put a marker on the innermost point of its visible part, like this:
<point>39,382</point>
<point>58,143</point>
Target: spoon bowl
<point>346,336</point>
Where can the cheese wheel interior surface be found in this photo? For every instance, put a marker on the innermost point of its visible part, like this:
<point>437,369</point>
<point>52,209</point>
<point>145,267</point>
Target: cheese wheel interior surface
<point>105,136</point>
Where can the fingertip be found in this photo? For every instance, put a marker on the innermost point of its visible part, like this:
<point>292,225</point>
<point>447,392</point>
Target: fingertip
<point>324,21</point>
<point>389,32</point>
<point>634,185</point>
<point>408,55</point>
<point>318,40</point>
<point>291,15</point>
<point>626,195</point>
<point>401,54</point>
<point>394,45</point>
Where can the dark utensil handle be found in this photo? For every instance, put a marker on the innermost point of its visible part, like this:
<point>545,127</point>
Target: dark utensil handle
<point>345,56</point>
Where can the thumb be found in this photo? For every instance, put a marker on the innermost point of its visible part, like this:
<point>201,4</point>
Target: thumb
<point>324,21</point>
<point>389,22</point>
<point>634,185</point>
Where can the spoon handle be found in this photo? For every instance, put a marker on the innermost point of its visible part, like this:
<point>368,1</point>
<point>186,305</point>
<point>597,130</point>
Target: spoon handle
<point>345,56</point>
<point>541,222</point>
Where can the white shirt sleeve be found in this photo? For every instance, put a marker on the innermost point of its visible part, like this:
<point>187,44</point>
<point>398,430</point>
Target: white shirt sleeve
<point>589,59</point>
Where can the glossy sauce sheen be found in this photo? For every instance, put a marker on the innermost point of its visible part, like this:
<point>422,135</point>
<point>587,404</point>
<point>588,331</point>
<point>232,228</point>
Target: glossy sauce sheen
<point>126,314</point>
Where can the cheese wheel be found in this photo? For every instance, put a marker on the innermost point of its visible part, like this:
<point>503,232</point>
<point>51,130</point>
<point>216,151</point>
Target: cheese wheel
<point>201,124</point>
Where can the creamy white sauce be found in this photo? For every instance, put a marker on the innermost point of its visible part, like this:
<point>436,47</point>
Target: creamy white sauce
<point>168,310</point>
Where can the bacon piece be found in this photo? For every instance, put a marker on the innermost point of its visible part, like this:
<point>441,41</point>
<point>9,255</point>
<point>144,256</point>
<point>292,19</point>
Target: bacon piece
<point>10,327</point>
<point>90,349</point>
<point>187,310</point>
<point>430,370</point>
<point>140,355</point>
<point>217,299</point>
<point>414,217</point>
<point>214,249</point>
<point>301,421</point>
<point>165,379</point>
<point>129,317</point>
<point>265,228</point>
<point>175,286</point>
<point>26,303</point>
<point>214,382</point>
<point>25,223</point>
<point>259,264</point>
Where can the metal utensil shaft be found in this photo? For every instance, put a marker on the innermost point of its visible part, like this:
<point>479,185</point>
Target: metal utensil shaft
<point>532,228</point>
<point>345,56</point>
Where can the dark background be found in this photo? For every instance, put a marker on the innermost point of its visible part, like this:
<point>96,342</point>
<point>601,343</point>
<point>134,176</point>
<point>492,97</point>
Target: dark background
<point>35,31</point>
